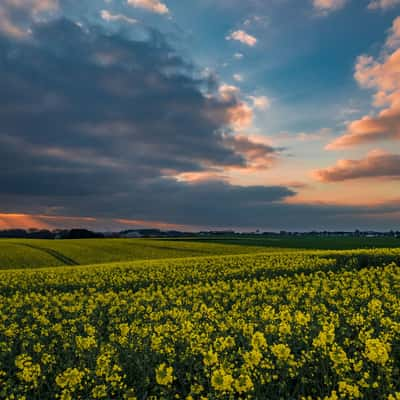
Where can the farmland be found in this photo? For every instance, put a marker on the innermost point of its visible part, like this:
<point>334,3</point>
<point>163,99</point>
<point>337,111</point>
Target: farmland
<point>299,324</point>
<point>27,253</point>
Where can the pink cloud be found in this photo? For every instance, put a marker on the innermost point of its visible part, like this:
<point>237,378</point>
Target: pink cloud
<point>393,40</point>
<point>243,37</point>
<point>154,6</point>
<point>326,6</point>
<point>260,102</point>
<point>239,114</point>
<point>377,164</point>
<point>27,10</point>
<point>384,77</point>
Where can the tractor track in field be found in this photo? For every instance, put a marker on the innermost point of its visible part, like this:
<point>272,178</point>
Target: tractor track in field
<point>58,256</point>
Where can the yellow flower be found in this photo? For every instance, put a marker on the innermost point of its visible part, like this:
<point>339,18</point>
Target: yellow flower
<point>29,371</point>
<point>221,381</point>
<point>281,351</point>
<point>252,358</point>
<point>349,391</point>
<point>258,340</point>
<point>302,319</point>
<point>164,375</point>
<point>210,358</point>
<point>99,391</point>
<point>338,356</point>
<point>377,351</point>
<point>243,384</point>
<point>70,378</point>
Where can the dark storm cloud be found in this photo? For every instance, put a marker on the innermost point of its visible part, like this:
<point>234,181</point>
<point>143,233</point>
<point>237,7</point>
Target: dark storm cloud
<point>97,124</point>
<point>87,90</point>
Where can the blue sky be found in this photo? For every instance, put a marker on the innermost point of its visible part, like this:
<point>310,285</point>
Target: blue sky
<point>288,110</point>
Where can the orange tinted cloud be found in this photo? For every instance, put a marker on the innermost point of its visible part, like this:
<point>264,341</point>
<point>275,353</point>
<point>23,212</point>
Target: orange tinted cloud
<point>243,37</point>
<point>383,76</point>
<point>239,114</point>
<point>154,6</point>
<point>25,10</point>
<point>23,221</point>
<point>26,221</point>
<point>257,151</point>
<point>202,176</point>
<point>260,102</point>
<point>377,164</point>
<point>324,7</point>
<point>154,224</point>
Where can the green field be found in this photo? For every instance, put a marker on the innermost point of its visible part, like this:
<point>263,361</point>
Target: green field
<point>303,242</point>
<point>32,253</point>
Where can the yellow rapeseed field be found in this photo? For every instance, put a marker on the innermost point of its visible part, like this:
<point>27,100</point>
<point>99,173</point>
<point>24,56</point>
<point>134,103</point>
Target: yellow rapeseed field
<point>301,325</point>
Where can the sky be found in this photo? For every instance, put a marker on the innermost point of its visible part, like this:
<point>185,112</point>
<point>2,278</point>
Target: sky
<point>202,114</point>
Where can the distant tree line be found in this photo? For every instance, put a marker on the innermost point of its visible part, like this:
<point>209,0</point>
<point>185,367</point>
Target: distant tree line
<point>157,233</point>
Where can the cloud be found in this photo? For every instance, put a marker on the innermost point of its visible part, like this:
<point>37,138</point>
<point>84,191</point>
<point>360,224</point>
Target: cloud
<point>324,7</point>
<point>258,20</point>
<point>260,102</point>
<point>154,6</point>
<point>258,153</point>
<point>16,15</point>
<point>109,17</point>
<point>322,134</point>
<point>383,4</point>
<point>377,164</point>
<point>393,40</point>
<point>109,123</point>
<point>240,113</point>
<point>382,75</point>
<point>238,77</point>
<point>243,37</point>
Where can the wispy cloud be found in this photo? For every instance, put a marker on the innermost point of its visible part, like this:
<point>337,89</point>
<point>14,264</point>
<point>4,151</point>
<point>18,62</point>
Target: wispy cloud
<point>238,77</point>
<point>260,102</point>
<point>383,4</point>
<point>109,17</point>
<point>324,7</point>
<point>242,37</point>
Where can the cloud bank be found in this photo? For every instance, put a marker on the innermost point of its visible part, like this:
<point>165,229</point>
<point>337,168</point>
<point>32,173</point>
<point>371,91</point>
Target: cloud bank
<point>383,76</point>
<point>377,164</point>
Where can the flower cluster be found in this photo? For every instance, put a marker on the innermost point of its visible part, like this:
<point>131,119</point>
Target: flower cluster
<point>312,325</point>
